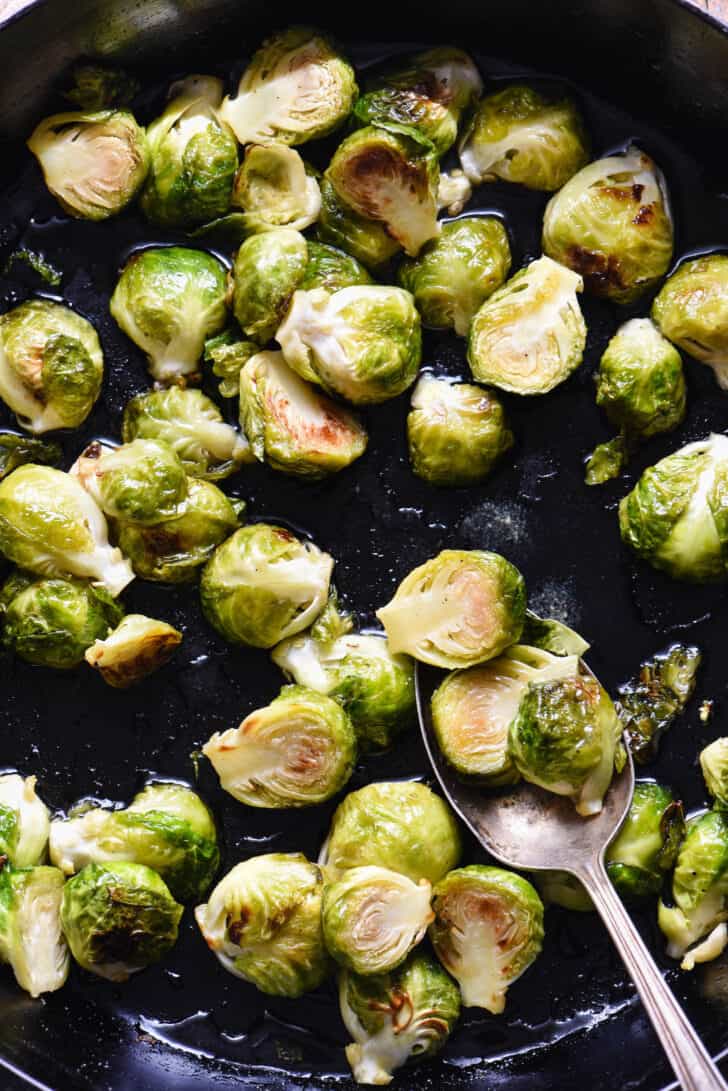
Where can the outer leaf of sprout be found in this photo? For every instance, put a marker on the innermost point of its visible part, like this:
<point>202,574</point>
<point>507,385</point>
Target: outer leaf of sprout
<point>31,939</point>
<point>552,636</point>
<point>268,269</point>
<point>98,87</point>
<point>649,702</point>
<point>228,353</point>
<point>24,821</point>
<point>136,648</point>
<point>274,189</point>
<point>18,450</point>
<point>691,310</point>
<point>606,461</point>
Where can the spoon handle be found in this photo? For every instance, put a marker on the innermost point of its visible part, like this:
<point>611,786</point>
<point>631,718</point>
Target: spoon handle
<point>686,1053</point>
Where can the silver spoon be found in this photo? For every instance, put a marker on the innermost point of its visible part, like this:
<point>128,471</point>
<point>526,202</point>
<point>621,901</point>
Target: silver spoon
<point>527,828</point>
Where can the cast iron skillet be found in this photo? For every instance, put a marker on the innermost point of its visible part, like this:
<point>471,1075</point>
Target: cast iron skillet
<point>572,1021</point>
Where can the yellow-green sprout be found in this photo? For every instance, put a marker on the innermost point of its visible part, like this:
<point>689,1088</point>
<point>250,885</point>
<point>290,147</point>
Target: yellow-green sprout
<point>168,300</point>
<point>649,702</point>
<point>51,365</point>
<point>530,334</point>
<point>520,135</point>
<point>611,223</point>
<point>264,584</point>
<point>193,157</point>
<point>18,450</point>
<point>273,188</point>
<point>456,432</point>
<point>268,269</point>
<point>263,922</point>
<point>460,608</point>
<point>227,353</point>
<point>31,939</point>
<point>691,310</point>
<point>487,931</point>
<point>140,482</point>
<point>137,647</point>
<point>646,847</point>
<point>339,225</point>
<point>714,764</point>
<point>455,273</point>
<point>332,269</point>
<point>94,163</point>
<point>24,821</point>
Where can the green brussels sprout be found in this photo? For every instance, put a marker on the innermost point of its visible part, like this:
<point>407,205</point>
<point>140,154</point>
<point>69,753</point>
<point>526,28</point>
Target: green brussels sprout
<point>24,821</point>
<point>487,931</point>
<point>427,93</point>
<point>263,585</point>
<point>291,425</point>
<point>51,365</point>
<point>397,1018</point>
<point>18,450</point>
<point>649,703</point>
<point>676,516</point>
<point>530,334</point>
<point>93,162</point>
<point>453,192</point>
<point>274,189</point>
<point>332,269</point>
<point>298,750</point>
<point>31,940</point>
<point>168,300</point>
<point>118,918</point>
<point>50,525</point>
<point>456,272</point>
<point>460,608</point>
<point>193,157</point>
<point>366,240</point>
<point>472,710</point>
<point>714,764</point>
<point>136,648</point>
<point>564,738</point>
<point>227,353</point>
<point>646,847</point>
<point>551,635</point>
<point>691,310</point>
<point>99,87</point>
<point>520,135</point>
<point>611,223</point>
<point>392,179</point>
<point>263,921</point>
<point>456,432</point>
<point>166,827</point>
<point>362,343</point>
<point>51,622</point>
<point>296,88</point>
<point>695,923</point>
<point>267,271</point>
<point>140,482</point>
<point>400,825</point>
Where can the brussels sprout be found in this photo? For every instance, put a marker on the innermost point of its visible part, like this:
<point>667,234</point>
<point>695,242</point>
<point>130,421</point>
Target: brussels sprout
<point>166,827</point>
<point>520,135</point>
<point>714,764</point>
<point>453,192</point>
<point>99,87</point>
<point>298,750</point>
<point>457,609</point>
<point>118,918</point>
<point>51,365</point>
<point>293,427</point>
<point>362,343</point>
<point>24,821</point>
<point>552,636</point>
<point>31,940</point>
<point>168,300</point>
<point>400,825</point>
<point>193,157</point>
<point>296,88</point>
<point>564,738</point>
<point>18,450</point>
<point>396,1018</point>
<point>267,270</point>
<point>530,334</point>
<point>562,888</point>
<point>487,931</point>
<point>606,461</point>
<point>274,189</point>
<point>228,353</point>
<point>676,516</point>
<point>691,309</point>
<point>367,240</point>
<point>140,482</point>
<point>136,648</point>
<point>611,223</point>
<point>472,710</point>
<point>647,844</point>
<point>391,179</point>
<point>263,921</point>
<point>455,432</point>
<point>263,585</point>
<point>51,622</point>
<point>332,269</point>
<point>51,526</point>
<point>649,703</point>
<point>455,273</point>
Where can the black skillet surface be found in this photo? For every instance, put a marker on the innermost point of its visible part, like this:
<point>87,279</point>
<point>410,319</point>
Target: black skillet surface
<point>573,1020</point>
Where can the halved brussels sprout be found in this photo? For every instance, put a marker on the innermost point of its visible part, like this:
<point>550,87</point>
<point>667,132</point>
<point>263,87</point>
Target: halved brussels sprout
<point>264,584</point>
<point>24,821</point>
<point>367,240</point>
<point>51,526</point>
<point>51,365</point>
<point>453,192</point>
<point>193,157</point>
<point>611,223</point>
<point>397,1018</point>
<point>298,750</point>
<point>530,334</point>
<point>136,648</point>
<point>228,353</point>
<point>392,179</point>
<point>118,918</point>
<point>18,450</point>
<point>140,482</point>
<point>691,309</point>
<point>456,432</point>
<point>263,921</point>
<point>456,272</point>
<point>487,931</point>
<point>268,269</point>
<point>362,343</point>
<point>168,300</point>
<point>332,269</point>
<point>646,847</point>
<point>166,827</point>
<point>291,425</point>
<point>274,189</point>
<point>98,87</point>
<point>94,163</point>
<point>400,825</point>
<point>714,764</point>
<point>296,88</point>
<point>648,703</point>
<point>460,608</point>
<point>31,940</point>
<point>520,135</point>
<point>676,516</point>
